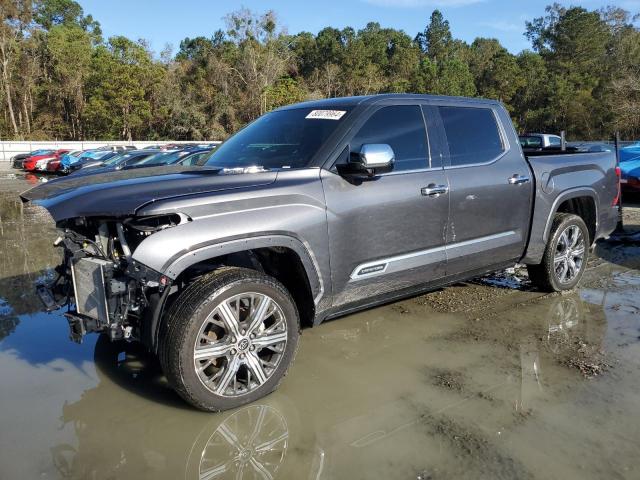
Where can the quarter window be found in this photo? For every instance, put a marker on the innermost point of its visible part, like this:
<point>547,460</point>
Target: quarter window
<point>402,128</point>
<point>472,135</point>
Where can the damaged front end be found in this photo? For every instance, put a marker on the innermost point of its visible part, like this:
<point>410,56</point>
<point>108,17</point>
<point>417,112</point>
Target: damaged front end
<point>104,288</point>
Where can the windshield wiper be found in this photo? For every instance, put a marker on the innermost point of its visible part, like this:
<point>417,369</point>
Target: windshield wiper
<point>239,170</point>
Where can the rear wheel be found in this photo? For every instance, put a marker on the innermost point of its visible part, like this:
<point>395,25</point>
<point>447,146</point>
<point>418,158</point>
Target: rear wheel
<point>230,339</point>
<point>565,256</point>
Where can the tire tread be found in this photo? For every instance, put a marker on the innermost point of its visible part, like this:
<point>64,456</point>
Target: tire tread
<point>542,275</point>
<point>195,298</point>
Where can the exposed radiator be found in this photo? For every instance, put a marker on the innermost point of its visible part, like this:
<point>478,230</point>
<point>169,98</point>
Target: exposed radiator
<point>89,287</point>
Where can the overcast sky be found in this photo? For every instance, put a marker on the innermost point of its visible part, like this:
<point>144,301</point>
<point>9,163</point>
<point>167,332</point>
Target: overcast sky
<point>169,21</point>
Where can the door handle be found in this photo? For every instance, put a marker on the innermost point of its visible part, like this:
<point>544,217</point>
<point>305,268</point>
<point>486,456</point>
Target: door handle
<point>433,190</point>
<point>518,179</point>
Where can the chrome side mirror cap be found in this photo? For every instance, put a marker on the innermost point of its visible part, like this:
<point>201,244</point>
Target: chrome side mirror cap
<point>376,156</point>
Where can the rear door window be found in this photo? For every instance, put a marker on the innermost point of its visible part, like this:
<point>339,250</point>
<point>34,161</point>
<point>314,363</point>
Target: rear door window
<point>472,135</point>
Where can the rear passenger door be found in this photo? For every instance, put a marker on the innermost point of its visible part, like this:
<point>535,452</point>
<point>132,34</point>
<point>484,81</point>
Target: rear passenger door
<point>491,187</point>
<point>387,233</point>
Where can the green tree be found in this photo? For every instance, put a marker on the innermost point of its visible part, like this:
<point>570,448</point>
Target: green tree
<point>122,80</point>
<point>15,16</point>
<point>261,58</point>
<point>436,40</point>
<point>530,101</point>
<point>69,49</point>
<point>495,71</point>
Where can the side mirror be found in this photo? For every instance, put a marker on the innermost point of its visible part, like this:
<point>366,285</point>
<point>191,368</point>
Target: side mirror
<point>372,159</point>
<point>377,156</point>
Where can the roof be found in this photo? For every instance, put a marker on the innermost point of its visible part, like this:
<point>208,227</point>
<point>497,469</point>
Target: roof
<point>370,99</point>
<point>533,134</point>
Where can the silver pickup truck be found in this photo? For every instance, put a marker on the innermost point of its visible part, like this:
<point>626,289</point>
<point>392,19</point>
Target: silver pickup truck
<point>311,212</point>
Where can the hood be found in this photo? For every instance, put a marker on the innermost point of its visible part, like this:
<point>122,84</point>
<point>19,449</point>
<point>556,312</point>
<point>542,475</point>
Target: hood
<point>632,152</point>
<point>35,158</point>
<point>68,159</point>
<point>122,193</point>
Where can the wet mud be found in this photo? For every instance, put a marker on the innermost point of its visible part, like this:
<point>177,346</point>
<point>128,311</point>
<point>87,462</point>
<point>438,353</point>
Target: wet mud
<point>484,379</point>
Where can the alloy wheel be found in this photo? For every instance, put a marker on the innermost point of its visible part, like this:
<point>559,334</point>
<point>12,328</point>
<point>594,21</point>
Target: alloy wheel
<point>240,344</point>
<point>569,254</point>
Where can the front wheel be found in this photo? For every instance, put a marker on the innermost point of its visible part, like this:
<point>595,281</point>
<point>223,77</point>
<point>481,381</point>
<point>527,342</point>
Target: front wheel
<point>565,257</point>
<point>230,339</point>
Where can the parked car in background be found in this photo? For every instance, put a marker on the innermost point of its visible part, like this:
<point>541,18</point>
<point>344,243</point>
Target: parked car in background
<point>52,166</point>
<point>38,163</point>
<point>539,141</point>
<point>196,159</point>
<point>68,160</point>
<point>630,168</point>
<point>17,161</point>
<point>188,157</point>
<point>630,152</point>
<point>115,162</point>
<point>591,147</point>
<point>314,211</point>
<point>92,158</point>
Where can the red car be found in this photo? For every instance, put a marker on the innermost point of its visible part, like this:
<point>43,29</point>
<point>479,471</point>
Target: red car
<point>54,165</point>
<point>41,162</point>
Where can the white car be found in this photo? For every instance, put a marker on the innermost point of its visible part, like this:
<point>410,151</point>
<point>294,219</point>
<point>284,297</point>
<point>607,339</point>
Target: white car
<point>540,140</point>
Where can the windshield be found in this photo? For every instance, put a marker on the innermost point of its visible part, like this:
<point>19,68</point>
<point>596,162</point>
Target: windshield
<point>281,139</point>
<point>115,159</point>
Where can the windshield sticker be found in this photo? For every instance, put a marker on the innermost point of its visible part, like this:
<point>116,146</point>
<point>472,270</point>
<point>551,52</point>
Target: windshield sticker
<point>326,114</point>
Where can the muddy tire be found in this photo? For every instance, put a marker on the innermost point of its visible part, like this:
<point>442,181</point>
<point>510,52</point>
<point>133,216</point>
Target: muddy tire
<point>229,339</point>
<point>565,257</point>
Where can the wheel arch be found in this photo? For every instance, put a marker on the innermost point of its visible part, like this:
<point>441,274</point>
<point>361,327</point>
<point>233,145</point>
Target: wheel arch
<point>545,209</point>
<point>582,202</point>
<point>281,256</point>
<point>177,266</point>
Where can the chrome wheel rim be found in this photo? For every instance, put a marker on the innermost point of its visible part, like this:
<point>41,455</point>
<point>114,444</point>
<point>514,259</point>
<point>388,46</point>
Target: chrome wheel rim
<point>251,443</point>
<point>240,344</point>
<point>569,254</point>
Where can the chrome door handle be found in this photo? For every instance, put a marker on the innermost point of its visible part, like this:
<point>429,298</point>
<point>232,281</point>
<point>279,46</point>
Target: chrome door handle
<point>433,190</point>
<point>518,179</point>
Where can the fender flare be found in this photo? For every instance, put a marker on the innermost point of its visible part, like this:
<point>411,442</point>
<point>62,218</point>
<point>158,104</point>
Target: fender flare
<point>176,265</point>
<point>568,195</point>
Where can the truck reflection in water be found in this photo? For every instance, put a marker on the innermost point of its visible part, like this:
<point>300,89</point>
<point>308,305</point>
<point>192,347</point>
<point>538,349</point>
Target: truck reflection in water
<point>161,436</point>
<point>132,425</point>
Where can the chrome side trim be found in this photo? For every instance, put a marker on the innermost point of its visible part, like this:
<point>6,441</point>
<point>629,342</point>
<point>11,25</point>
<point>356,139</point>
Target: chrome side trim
<point>477,245</point>
<point>433,255</point>
<point>398,263</point>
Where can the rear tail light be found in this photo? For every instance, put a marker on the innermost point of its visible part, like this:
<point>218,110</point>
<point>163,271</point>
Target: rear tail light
<point>616,200</point>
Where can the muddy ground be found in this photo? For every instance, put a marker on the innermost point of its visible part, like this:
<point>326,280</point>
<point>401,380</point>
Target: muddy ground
<point>486,379</point>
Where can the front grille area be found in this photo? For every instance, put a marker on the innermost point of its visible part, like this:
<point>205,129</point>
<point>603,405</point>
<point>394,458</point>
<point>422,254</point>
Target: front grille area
<point>89,287</point>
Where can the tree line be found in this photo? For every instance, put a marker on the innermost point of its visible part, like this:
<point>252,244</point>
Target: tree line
<point>62,80</point>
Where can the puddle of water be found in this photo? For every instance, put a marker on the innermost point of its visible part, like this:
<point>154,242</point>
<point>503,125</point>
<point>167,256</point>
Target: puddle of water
<point>469,382</point>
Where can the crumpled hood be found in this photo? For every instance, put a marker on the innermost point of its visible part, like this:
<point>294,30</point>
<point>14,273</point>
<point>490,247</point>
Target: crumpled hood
<point>123,192</point>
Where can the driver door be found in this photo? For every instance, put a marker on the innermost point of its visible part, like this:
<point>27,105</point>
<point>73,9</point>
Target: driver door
<point>387,233</point>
